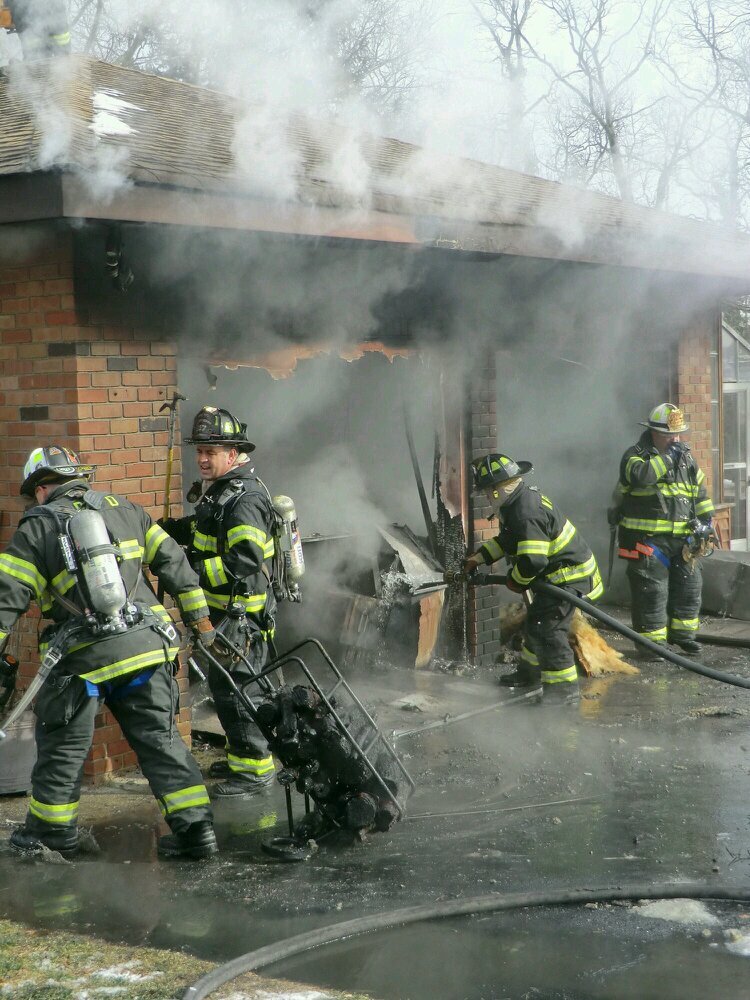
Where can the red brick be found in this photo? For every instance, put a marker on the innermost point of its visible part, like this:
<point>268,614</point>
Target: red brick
<point>16,336</point>
<point>43,271</point>
<point>21,305</point>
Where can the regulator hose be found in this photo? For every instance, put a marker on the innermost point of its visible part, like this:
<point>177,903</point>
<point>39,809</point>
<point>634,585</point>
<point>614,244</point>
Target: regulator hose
<point>541,586</point>
<point>492,903</point>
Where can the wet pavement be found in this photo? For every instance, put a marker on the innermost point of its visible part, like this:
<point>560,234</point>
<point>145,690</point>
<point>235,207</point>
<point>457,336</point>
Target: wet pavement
<point>649,778</point>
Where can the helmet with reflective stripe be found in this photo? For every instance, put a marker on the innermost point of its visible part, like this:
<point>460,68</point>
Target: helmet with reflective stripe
<point>50,464</point>
<point>496,468</point>
<point>666,418</point>
<point>215,426</point>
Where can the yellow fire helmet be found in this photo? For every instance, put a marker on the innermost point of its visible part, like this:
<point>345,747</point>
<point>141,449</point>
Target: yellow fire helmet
<point>496,468</point>
<point>666,418</point>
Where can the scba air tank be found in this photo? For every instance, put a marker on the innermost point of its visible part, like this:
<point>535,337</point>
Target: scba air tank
<point>98,563</point>
<point>289,538</point>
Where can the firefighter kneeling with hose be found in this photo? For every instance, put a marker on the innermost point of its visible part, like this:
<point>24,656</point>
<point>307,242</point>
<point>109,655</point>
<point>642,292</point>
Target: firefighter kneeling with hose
<point>80,554</point>
<point>540,543</point>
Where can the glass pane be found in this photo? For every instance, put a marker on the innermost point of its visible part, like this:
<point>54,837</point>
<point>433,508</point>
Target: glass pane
<point>732,453</point>
<point>714,375</point>
<point>729,355</point>
<point>743,364</point>
<point>735,492</point>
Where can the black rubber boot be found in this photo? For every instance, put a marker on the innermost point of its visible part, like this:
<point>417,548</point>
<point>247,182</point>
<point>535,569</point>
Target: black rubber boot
<point>643,655</point>
<point>521,677</point>
<point>64,840</point>
<point>242,787</point>
<point>689,646</point>
<point>563,695</point>
<point>220,769</point>
<point>198,841</point>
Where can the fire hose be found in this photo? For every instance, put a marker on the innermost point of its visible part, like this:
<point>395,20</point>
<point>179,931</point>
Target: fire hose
<point>492,903</point>
<point>541,586</point>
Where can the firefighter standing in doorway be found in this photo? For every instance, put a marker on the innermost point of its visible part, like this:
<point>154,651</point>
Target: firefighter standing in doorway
<point>664,518</point>
<point>42,26</point>
<point>229,541</point>
<point>539,542</point>
<point>74,553</point>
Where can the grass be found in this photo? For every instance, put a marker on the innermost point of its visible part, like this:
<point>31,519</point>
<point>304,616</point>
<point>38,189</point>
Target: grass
<point>55,965</point>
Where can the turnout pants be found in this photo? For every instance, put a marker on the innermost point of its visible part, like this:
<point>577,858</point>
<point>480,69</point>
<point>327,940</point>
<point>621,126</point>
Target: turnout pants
<point>546,652</point>
<point>65,713</point>
<point>665,591</point>
<point>247,750</point>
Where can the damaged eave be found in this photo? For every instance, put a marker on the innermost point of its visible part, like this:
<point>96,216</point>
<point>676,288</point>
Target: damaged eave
<point>39,196</point>
<point>282,363</point>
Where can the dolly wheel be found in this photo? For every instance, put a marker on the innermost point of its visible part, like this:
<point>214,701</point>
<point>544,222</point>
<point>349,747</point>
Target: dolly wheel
<point>289,848</point>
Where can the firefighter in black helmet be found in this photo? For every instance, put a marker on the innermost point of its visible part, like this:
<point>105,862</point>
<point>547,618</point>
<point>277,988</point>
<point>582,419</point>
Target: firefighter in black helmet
<point>42,26</point>
<point>539,542</point>
<point>122,657</point>
<point>230,544</point>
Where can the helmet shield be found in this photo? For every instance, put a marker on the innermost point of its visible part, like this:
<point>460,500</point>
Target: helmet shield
<point>50,463</point>
<point>666,418</point>
<point>213,425</point>
<point>496,468</point>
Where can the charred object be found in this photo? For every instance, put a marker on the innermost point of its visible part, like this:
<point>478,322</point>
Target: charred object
<point>330,748</point>
<point>322,762</point>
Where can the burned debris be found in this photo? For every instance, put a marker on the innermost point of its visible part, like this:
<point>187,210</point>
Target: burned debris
<point>323,762</point>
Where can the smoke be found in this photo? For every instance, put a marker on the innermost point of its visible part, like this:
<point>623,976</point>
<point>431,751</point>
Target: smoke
<point>582,351</point>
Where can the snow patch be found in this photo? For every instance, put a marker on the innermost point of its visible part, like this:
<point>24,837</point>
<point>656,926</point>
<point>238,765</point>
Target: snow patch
<point>741,946</point>
<point>109,115</point>
<point>124,972</point>
<point>679,911</point>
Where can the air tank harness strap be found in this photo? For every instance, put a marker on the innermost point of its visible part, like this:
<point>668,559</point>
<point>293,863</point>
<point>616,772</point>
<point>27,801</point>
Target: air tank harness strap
<point>146,619</point>
<point>228,496</point>
<point>168,633</point>
<point>646,550</point>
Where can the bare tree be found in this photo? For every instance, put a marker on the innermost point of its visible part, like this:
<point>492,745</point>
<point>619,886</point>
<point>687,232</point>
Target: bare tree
<point>606,61</point>
<point>721,31</point>
<point>505,22</point>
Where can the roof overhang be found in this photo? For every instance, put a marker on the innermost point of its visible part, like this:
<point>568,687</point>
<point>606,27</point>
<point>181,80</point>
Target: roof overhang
<point>41,196</point>
<point>189,157</point>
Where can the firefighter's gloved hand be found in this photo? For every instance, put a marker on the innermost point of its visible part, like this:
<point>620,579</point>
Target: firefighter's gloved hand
<point>677,452</point>
<point>471,563</point>
<point>513,585</point>
<point>203,631</point>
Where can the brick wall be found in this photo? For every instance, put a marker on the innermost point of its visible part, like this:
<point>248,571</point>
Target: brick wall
<point>92,388</point>
<point>694,386</point>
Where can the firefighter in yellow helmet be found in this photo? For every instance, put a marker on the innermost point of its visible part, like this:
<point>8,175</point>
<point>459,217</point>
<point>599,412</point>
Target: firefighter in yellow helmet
<point>664,516</point>
<point>42,26</point>
<point>539,542</point>
<point>116,650</point>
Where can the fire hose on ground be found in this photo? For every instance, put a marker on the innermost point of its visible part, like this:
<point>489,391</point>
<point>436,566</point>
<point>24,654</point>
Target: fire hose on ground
<point>279,951</point>
<point>590,609</point>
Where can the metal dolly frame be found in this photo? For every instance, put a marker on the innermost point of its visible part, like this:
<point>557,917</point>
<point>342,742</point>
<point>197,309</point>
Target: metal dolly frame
<point>378,740</point>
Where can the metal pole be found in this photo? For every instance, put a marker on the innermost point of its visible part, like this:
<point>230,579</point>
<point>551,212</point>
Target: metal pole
<point>172,407</point>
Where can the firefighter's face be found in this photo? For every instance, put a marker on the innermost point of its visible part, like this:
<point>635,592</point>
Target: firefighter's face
<point>498,494</point>
<point>662,441</point>
<point>214,461</point>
